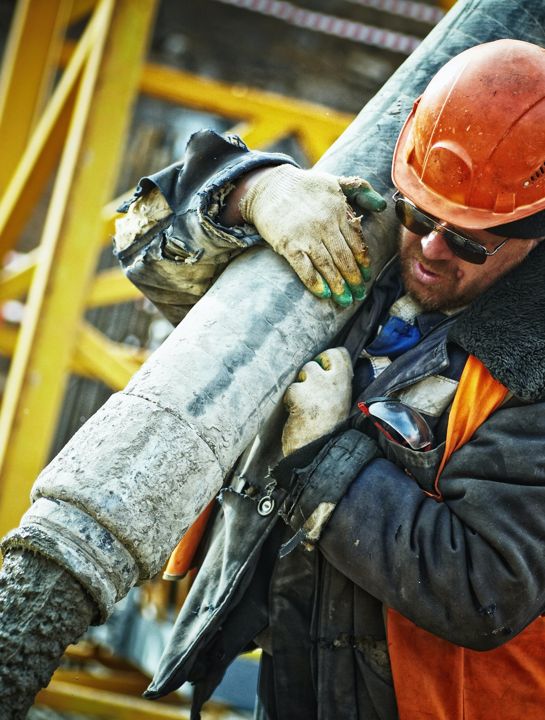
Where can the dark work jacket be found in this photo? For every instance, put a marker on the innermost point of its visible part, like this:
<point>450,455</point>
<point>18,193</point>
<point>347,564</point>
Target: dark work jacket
<point>469,569</point>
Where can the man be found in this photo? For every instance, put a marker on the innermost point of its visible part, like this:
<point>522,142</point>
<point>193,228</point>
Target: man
<point>423,512</point>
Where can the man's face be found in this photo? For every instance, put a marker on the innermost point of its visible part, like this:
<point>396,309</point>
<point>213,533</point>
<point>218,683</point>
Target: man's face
<point>440,280</point>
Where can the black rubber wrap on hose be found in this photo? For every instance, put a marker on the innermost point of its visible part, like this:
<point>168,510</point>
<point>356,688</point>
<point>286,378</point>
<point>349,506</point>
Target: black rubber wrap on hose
<point>42,607</point>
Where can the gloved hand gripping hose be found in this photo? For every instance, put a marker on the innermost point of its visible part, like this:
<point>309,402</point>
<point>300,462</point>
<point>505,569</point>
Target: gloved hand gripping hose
<point>319,399</point>
<point>304,216</point>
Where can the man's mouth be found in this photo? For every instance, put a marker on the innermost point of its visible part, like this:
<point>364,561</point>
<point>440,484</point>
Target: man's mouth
<point>424,275</point>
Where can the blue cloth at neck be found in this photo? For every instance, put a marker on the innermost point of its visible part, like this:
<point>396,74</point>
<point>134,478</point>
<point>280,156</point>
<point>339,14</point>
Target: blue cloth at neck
<point>395,338</point>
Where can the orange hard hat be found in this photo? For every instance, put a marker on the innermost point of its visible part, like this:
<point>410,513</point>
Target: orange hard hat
<point>472,151</point>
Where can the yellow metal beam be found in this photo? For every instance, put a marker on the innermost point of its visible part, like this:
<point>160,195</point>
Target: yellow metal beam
<point>96,357</point>
<point>124,682</point>
<point>109,286</point>
<point>315,138</point>
<point>14,284</point>
<point>8,339</point>
<point>267,117</point>
<point>100,703</point>
<point>261,133</point>
<point>264,116</point>
<point>237,102</point>
<point>228,100</point>
<point>32,53</point>
<point>106,360</point>
<point>42,153</point>
<point>80,9</point>
<point>109,214</point>
<point>71,239</point>
<point>121,681</point>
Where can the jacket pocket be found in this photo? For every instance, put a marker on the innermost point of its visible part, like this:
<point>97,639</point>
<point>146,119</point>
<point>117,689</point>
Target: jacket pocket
<point>422,466</point>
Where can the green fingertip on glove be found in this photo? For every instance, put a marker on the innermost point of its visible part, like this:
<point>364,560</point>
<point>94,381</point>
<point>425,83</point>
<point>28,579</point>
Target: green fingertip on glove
<point>325,292</point>
<point>323,360</point>
<point>345,299</point>
<point>367,199</point>
<point>365,273</point>
<point>358,291</point>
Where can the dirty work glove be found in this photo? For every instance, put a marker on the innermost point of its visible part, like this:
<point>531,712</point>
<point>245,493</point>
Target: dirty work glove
<point>143,215</point>
<point>319,399</point>
<point>317,488</point>
<point>304,216</point>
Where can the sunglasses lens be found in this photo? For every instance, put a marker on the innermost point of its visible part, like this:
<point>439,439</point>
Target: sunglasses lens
<point>400,423</point>
<point>417,222</point>
<point>405,423</point>
<point>464,248</point>
<point>411,218</point>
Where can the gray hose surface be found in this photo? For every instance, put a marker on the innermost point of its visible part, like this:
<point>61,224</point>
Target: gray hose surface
<point>161,448</point>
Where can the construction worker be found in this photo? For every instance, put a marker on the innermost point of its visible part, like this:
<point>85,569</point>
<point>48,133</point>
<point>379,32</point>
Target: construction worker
<point>413,522</point>
<point>395,567</point>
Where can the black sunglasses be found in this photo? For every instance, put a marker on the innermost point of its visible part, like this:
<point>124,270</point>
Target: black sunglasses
<point>419,223</point>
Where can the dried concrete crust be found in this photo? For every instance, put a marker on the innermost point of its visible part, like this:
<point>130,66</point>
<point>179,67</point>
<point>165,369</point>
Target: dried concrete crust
<point>78,543</point>
<point>43,609</point>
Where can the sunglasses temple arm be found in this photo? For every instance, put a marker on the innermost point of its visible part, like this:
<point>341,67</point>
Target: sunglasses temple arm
<point>365,410</point>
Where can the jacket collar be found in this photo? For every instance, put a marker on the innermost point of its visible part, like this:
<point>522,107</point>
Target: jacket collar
<point>505,328</point>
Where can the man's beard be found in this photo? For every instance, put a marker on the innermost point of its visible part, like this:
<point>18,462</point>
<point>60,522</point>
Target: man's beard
<point>442,296</point>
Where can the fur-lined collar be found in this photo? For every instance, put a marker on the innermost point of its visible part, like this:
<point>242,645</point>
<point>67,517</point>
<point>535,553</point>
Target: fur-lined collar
<point>505,328</point>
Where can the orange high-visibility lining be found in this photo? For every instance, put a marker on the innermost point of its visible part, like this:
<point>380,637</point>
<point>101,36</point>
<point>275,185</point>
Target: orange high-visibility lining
<point>181,559</point>
<point>437,680</point>
<point>477,396</point>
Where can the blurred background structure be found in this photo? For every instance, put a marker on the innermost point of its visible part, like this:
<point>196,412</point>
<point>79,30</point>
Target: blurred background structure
<point>94,94</point>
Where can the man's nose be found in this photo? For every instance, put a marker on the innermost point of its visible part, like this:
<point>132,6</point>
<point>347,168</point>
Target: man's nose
<point>434,246</point>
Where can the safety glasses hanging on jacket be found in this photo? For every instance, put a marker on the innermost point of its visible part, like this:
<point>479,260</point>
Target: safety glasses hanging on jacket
<point>399,423</point>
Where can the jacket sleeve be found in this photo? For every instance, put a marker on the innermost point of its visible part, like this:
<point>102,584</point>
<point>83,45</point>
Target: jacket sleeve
<point>471,568</point>
<point>176,262</point>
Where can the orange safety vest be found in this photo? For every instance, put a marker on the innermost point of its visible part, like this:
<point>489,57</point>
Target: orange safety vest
<point>437,680</point>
